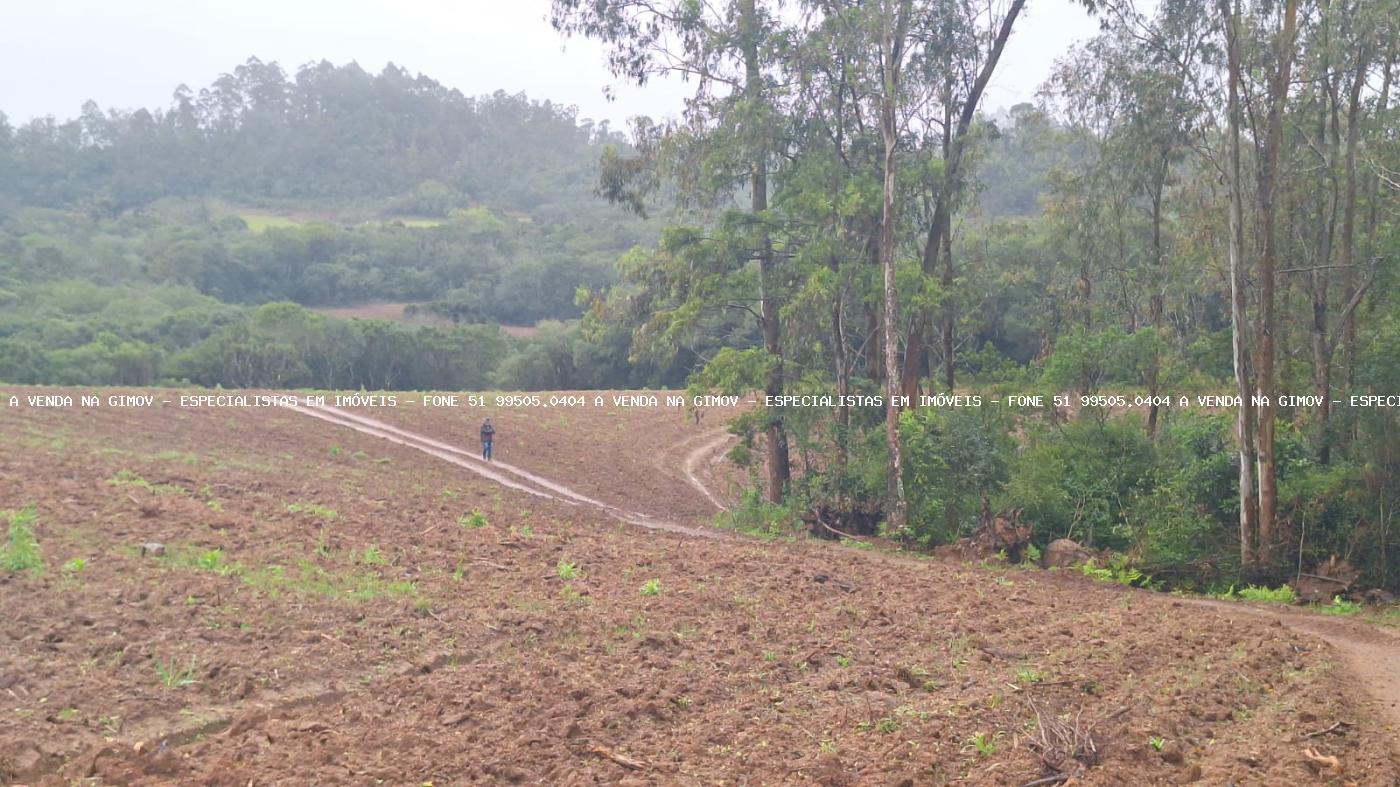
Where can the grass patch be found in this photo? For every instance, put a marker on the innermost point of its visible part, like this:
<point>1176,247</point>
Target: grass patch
<point>1118,570</point>
<point>756,516</point>
<point>1028,675</point>
<point>884,726</point>
<point>313,509</point>
<point>21,549</point>
<point>262,222</point>
<point>1341,606</point>
<point>984,745</point>
<point>174,676</point>
<point>652,588</point>
<point>473,520</point>
<point>306,578</point>
<point>127,478</point>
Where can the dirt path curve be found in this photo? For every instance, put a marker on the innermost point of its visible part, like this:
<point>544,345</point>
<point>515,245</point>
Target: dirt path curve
<point>503,473</point>
<point>697,456</point>
<point>1371,653</point>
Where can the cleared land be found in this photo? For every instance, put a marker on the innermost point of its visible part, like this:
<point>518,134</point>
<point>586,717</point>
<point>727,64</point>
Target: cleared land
<point>335,607</point>
<point>394,311</point>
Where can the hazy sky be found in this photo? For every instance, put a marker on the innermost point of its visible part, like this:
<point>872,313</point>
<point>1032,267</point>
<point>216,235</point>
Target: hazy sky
<point>56,54</point>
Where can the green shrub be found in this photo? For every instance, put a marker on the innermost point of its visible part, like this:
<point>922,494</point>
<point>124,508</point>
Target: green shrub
<point>754,515</point>
<point>21,551</point>
<point>1119,570</point>
<point>1080,480</point>
<point>1281,595</point>
<point>955,463</point>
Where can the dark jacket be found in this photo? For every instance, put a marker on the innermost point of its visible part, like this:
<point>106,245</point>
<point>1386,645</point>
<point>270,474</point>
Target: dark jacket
<point>487,432</point>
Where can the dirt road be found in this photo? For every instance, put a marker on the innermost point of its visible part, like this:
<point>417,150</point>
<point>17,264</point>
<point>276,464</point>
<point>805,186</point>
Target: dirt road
<point>503,473</point>
<point>1370,653</point>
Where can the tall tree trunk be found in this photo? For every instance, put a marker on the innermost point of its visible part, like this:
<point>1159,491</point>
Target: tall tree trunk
<point>874,325</point>
<point>942,213</point>
<point>1156,301</point>
<point>779,465</point>
<point>1377,190</point>
<point>1321,275</point>
<point>1349,278</point>
<point>891,59</point>
<point>841,366</point>
<point>950,307</point>
<point>1267,382</point>
<point>1244,420</point>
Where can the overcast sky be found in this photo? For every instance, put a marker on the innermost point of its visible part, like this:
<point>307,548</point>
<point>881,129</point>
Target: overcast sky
<point>56,54</point>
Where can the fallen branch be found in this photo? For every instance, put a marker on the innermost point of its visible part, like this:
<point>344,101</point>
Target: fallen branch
<point>329,638</point>
<point>1052,779</point>
<point>836,532</point>
<point>998,654</point>
<point>1117,713</point>
<point>1333,728</point>
<point>620,759</point>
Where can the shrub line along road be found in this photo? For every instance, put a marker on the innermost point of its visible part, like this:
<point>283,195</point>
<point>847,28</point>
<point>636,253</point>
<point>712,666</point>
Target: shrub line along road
<point>1372,654</point>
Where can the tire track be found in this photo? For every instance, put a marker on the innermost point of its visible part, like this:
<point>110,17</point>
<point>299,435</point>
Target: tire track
<point>692,461</point>
<point>503,473</point>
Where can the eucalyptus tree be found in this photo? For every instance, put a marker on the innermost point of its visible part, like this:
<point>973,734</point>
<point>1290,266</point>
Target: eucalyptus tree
<point>1277,71</point>
<point>1271,58</point>
<point>727,143</point>
<point>833,201</point>
<point>1135,87</point>
<point>1345,43</point>
<point>962,45</point>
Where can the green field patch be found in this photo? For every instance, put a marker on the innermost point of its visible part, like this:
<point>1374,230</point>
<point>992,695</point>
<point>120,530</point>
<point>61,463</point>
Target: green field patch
<point>307,577</point>
<point>314,509</point>
<point>416,222</point>
<point>128,478</point>
<point>259,223</point>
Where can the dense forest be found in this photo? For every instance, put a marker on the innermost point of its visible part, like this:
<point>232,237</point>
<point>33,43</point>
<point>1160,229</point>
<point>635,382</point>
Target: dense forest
<point>1202,201</point>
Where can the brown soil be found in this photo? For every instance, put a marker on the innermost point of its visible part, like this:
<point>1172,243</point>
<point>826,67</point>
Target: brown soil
<point>393,312</point>
<point>396,645</point>
<point>1372,654</point>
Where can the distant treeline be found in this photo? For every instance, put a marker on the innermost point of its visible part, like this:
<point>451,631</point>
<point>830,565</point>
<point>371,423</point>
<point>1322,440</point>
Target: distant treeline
<point>478,266</point>
<point>326,132</point>
<point>172,336</point>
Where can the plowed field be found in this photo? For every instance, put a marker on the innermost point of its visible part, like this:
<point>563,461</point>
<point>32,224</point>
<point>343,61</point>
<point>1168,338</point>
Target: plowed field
<point>333,606</point>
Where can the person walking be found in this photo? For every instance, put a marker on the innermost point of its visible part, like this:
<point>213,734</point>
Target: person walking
<point>488,434</point>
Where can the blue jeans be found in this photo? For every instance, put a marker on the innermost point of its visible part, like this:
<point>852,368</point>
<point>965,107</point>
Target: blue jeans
<point>486,450</point>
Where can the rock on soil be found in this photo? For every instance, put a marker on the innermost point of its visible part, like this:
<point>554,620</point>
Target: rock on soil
<point>1063,553</point>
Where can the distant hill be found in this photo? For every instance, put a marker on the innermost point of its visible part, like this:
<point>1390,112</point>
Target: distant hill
<point>325,132</point>
<point>134,244</point>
